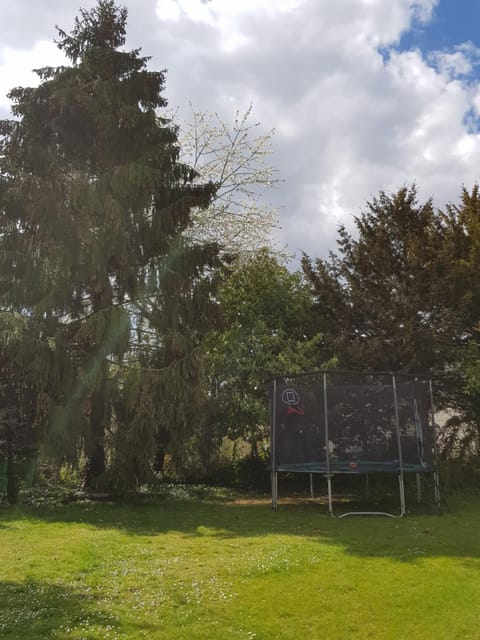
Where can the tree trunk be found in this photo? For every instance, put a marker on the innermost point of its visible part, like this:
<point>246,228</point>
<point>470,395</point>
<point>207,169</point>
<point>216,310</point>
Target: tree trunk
<point>12,480</point>
<point>95,468</point>
<point>162,439</point>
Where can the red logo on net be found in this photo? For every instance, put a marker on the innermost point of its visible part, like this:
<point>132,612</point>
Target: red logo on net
<point>291,398</point>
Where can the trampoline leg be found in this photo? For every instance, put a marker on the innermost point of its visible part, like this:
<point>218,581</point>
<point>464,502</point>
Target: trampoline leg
<point>436,489</point>
<point>311,486</point>
<point>401,484</point>
<point>419,489</point>
<point>274,490</point>
<point>367,486</point>
<point>329,487</point>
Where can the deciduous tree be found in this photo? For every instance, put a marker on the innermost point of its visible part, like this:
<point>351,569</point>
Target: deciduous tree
<point>269,331</point>
<point>236,157</point>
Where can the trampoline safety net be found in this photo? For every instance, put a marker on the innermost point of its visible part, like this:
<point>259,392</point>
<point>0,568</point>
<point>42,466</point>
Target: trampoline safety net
<point>343,422</point>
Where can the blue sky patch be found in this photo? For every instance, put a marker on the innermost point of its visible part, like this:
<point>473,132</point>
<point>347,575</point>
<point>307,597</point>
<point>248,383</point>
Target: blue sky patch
<point>453,22</point>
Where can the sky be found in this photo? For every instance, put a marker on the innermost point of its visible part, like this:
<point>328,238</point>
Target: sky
<point>364,95</point>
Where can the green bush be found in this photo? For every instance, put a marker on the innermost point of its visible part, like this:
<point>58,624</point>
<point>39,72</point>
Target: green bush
<point>252,472</point>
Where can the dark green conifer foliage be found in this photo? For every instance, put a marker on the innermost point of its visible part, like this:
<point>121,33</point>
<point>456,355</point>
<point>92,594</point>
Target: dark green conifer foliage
<point>94,205</point>
<point>404,293</point>
<point>23,402</point>
<point>461,291</point>
<point>380,299</point>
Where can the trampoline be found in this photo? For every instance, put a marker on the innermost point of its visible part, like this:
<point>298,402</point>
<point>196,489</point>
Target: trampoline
<point>349,423</point>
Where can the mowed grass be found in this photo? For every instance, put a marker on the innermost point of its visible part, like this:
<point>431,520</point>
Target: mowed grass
<point>212,568</point>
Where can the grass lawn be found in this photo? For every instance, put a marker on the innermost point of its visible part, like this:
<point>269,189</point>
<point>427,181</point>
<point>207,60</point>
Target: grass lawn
<point>213,568</point>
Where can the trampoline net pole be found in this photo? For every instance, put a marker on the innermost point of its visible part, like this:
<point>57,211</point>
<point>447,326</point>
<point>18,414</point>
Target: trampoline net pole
<point>329,489</point>
<point>436,479</point>
<point>401,483</point>
<point>274,490</point>
<point>400,457</point>
<point>327,444</point>
<point>273,445</point>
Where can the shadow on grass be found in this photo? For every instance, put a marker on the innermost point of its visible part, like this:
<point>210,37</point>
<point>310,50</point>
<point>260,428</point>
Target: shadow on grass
<point>34,609</point>
<point>421,534</point>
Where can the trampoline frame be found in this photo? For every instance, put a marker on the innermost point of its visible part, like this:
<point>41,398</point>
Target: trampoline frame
<point>328,469</point>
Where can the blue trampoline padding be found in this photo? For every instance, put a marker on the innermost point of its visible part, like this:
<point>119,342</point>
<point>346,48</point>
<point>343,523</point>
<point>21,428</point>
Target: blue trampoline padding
<point>353,467</point>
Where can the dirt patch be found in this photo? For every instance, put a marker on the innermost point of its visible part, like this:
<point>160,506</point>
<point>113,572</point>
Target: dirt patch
<point>249,501</point>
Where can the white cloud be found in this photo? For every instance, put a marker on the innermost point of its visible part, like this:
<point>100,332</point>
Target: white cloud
<point>349,119</point>
<point>459,62</point>
<point>453,64</point>
<point>422,9</point>
<point>16,67</point>
<point>212,10</point>
<point>169,10</point>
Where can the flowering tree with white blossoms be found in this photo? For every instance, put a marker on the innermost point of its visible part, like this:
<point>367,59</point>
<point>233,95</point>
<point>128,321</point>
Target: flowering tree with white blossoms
<point>236,158</point>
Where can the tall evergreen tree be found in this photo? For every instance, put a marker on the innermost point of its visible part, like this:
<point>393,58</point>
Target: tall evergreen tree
<point>461,292</point>
<point>381,299</point>
<point>461,251</point>
<point>94,208</point>
<point>404,294</point>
